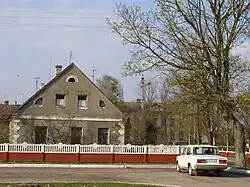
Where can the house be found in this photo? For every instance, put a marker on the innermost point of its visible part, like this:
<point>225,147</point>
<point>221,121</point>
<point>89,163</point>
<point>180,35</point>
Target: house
<point>69,109</point>
<point>6,110</point>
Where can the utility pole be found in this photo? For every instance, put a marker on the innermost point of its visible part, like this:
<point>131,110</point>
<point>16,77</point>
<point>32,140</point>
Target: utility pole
<point>93,75</point>
<point>22,96</point>
<point>50,66</point>
<point>37,78</point>
<point>70,56</point>
<point>142,91</point>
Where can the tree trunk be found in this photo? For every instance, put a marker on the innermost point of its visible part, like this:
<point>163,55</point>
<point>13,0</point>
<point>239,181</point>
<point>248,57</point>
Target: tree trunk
<point>240,157</point>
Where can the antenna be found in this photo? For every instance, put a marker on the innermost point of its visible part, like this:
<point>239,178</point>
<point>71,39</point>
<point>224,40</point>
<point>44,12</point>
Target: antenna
<point>70,56</point>
<point>50,66</point>
<point>93,73</point>
<point>37,78</point>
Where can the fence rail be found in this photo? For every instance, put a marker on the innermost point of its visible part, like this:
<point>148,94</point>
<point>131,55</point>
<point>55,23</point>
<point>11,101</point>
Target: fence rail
<point>93,148</point>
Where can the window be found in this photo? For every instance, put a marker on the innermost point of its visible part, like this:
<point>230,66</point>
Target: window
<point>102,104</point>
<point>60,100</point>
<point>71,80</point>
<point>39,102</point>
<point>76,135</point>
<point>103,138</point>
<point>82,101</point>
<point>40,134</point>
<point>184,152</point>
<point>205,151</point>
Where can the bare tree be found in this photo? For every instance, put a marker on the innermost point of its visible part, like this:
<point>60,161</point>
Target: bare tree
<point>190,36</point>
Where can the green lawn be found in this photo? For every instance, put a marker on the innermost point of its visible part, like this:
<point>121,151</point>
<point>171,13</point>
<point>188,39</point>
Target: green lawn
<point>77,185</point>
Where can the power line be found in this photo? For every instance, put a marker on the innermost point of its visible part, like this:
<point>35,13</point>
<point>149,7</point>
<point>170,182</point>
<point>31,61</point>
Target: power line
<point>61,12</point>
<point>53,17</point>
<point>53,26</point>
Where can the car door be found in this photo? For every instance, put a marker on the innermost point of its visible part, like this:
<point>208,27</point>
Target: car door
<point>186,157</point>
<point>181,158</point>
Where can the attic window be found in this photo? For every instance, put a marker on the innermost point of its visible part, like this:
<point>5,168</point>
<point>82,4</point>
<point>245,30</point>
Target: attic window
<point>102,104</point>
<point>72,78</point>
<point>39,102</point>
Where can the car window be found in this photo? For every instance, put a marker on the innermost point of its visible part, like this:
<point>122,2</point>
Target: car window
<point>184,151</point>
<point>188,151</point>
<point>205,151</point>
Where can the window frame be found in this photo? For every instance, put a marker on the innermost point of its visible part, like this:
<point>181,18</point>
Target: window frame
<point>100,100</point>
<point>86,101</point>
<point>107,136</point>
<point>64,100</point>
<point>39,105</point>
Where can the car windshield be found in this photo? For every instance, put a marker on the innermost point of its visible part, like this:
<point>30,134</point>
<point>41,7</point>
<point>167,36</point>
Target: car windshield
<point>205,151</point>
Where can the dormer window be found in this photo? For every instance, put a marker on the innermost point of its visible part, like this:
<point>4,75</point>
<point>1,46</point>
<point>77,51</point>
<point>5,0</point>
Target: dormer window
<point>72,78</point>
<point>39,102</point>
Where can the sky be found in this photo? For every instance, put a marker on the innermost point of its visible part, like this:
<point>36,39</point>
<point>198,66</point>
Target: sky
<point>32,30</point>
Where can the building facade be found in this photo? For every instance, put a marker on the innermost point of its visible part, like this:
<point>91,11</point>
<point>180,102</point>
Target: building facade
<point>69,109</point>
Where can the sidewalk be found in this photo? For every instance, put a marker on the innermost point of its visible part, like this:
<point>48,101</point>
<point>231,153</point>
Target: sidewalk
<point>148,166</point>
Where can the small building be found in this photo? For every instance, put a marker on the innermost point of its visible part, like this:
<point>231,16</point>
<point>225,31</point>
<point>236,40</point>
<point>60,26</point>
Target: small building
<point>69,109</point>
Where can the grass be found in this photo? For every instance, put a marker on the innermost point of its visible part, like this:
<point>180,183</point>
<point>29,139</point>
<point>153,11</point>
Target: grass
<point>77,185</point>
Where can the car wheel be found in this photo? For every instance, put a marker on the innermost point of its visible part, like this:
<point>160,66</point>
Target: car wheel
<point>178,169</point>
<point>190,170</point>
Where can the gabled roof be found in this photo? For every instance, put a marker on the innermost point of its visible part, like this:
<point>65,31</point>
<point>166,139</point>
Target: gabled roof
<point>51,82</point>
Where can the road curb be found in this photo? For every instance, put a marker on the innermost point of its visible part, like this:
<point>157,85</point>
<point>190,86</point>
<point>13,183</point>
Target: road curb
<point>148,166</point>
<point>236,170</point>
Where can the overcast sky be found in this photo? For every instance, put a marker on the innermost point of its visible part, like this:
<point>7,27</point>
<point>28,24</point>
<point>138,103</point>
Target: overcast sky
<point>27,40</point>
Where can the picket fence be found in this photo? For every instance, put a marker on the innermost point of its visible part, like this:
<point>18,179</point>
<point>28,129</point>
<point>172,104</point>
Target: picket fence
<point>94,153</point>
<point>93,148</point>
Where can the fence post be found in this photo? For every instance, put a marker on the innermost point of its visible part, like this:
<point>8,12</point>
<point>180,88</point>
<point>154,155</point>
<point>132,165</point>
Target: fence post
<point>6,148</point>
<point>43,152</point>
<point>145,153</point>
<point>78,152</point>
<point>112,154</point>
<point>178,149</point>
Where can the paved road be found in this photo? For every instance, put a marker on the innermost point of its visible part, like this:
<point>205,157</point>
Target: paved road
<point>156,176</point>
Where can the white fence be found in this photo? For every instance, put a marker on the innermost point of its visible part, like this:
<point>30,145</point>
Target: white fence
<point>94,148</point>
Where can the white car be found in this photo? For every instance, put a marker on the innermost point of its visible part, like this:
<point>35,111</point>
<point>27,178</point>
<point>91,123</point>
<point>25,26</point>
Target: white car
<point>197,158</point>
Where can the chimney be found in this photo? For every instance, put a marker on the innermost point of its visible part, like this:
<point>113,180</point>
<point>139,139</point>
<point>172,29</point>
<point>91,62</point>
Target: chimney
<point>6,102</point>
<point>42,85</point>
<point>58,69</point>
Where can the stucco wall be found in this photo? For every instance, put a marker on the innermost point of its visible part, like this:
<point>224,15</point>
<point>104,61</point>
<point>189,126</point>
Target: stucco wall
<point>60,131</point>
